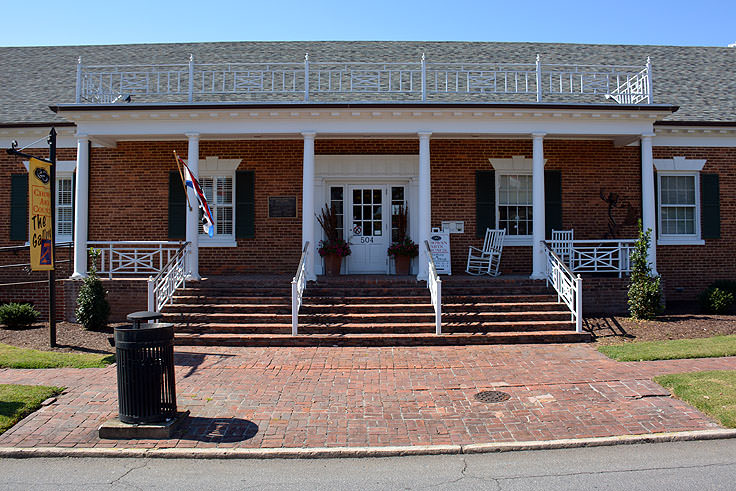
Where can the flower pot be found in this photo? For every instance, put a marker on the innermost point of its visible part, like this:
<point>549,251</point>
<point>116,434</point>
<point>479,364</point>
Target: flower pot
<point>402,264</point>
<point>332,265</point>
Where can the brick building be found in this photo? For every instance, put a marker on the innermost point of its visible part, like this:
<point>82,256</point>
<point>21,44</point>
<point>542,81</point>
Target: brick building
<point>521,136</point>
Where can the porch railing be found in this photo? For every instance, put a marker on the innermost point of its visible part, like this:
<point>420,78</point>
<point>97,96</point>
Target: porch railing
<point>419,80</point>
<point>161,288</point>
<point>298,284</point>
<point>434,283</point>
<point>133,257</point>
<point>568,286</point>
<point>599,256</point>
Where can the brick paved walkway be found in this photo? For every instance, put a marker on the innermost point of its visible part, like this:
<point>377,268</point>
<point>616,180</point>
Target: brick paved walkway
<point>317,397</point>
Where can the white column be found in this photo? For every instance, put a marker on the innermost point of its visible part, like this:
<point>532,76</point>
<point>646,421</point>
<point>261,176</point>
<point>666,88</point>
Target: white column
<point>81,208</point>
<point>193,223</point>
<point>538,260</point>
<point>425,203</point>
<point>308,202</point>
<point>648,220</point>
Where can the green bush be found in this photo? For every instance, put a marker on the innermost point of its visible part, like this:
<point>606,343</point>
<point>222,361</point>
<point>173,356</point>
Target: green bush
<point>92,306</point>
<point>727,285</point>
<point>716,300</point>
<point>645,292</point>
<point>18,315</point>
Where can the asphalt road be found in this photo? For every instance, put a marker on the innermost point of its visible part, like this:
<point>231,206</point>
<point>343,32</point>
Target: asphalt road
<point>705,465</point>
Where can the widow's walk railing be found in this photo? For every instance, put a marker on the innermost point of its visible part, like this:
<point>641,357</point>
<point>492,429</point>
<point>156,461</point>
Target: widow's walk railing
<point>434,283</point>
<point>298,284</point>
<point>330,81</point>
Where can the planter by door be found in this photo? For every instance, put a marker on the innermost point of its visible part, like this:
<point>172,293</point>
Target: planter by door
<point>332,265</point>
<point>402,264</point>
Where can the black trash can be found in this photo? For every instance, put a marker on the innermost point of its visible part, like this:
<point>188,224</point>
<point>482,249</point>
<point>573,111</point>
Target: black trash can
<point>146,385</point>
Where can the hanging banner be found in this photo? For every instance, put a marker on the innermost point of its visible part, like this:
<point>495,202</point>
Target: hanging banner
<point>39,215</point>
<point>439,244</point>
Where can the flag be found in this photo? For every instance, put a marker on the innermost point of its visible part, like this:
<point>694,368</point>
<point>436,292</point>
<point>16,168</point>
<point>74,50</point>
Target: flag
<point>191,181</point>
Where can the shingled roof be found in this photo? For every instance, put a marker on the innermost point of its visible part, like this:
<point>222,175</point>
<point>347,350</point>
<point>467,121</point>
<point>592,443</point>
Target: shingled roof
<point>698,79</point>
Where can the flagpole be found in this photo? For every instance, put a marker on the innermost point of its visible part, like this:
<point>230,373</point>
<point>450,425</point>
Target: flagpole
<point>178,166</point>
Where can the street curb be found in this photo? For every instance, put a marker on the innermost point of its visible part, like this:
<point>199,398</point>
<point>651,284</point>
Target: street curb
<point>357,452</point>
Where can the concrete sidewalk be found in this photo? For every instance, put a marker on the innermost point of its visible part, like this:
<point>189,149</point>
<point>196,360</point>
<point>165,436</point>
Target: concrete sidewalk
<point>263,398</point>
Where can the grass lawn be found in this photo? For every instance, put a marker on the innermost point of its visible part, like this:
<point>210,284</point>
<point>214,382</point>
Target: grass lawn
<point>672,349</point>
<point>713,392</point>
<point>18,401</point>
<point>13,357</point>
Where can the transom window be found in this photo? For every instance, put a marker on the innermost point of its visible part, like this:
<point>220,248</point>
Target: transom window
<point>219,193</point>
<point>64,211</point>
<point>678,205</point>
<point>515,203</point>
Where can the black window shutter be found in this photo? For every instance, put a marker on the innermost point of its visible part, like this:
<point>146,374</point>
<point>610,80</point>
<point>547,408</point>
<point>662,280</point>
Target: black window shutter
<point>485,201</point>
<point>177,207</point>
<point>710,205</point>
<point>19,207</point>
<point>552,202</point>
<point>245,220</point>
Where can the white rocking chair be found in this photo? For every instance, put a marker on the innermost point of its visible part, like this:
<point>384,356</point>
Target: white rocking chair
<point>488,259</point>
<point>562,245</point>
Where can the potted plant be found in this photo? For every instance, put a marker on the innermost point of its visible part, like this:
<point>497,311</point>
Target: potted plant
<point>403,248</point>
<point>332,248</point>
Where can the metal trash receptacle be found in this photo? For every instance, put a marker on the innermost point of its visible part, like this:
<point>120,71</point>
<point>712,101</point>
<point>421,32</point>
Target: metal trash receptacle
<point>145,369</point>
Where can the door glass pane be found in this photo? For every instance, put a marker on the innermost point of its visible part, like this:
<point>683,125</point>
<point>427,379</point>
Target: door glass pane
<point>356,197</point>
<point>366,195</point>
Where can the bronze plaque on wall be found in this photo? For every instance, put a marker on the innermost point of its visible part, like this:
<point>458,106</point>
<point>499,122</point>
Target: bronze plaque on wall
<point>282,206</point>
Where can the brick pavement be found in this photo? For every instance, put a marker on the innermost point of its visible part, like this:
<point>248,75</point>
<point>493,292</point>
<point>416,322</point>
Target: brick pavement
<point>329,396</point>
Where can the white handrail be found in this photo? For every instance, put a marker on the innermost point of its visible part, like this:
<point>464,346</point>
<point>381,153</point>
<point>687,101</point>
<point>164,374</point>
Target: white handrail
<point>298,284</point>
<point>161,288</point>
<point>568,286</point>
<point>126,257</point>
<point>434,283</point>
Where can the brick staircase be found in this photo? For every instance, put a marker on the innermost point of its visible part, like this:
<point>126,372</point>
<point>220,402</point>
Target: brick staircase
<point>368,311</point>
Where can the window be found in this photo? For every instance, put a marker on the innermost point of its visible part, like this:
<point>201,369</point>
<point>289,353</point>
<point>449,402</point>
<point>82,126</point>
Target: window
<point>678,209</point>
<point>398,200</point>
<point>337,200</point>
<point>219,193</point>
<point>64,210</point>
<point>515,203</point>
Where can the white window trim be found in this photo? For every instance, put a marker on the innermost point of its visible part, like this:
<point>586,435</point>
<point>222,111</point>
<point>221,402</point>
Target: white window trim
<point>511,240</point>
<point>679,166</point>
<point>216,167</point>
<point>67,237</point>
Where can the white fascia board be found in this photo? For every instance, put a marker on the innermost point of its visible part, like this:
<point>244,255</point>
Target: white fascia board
<point>699,139</point>
<point>362,122</point>
<point>65,136</point>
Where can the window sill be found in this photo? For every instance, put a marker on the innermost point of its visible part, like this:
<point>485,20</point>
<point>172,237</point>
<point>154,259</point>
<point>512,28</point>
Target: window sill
<point>683,241</point>
<point>511,240</point>
<point>218,243</point>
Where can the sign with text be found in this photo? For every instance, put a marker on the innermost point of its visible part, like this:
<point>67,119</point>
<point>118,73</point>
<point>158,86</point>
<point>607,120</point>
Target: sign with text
<point>439,245</point>
<point>39,215</point>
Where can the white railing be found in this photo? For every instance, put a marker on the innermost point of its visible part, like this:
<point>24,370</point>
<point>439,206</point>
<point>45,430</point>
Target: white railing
<point>599,256</point>
<point>133,257</point>
<point>410,81</point>
<point>161,288</point>
<point>434,283</point>
<point>568,286</point>
<point>298,284</point>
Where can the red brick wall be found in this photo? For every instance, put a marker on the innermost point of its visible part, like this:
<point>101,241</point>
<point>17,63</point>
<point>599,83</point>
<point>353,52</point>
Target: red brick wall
<point>124,296</point>
<point>687,270</point>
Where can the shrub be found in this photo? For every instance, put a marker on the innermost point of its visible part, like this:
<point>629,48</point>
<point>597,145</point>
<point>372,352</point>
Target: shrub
<point>716,300</point>
<point>645,292</point>
<point>727,285</point>
<point>18,315</point>
<point>92,306</point>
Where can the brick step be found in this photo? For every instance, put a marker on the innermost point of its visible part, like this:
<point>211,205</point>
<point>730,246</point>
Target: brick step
<point>216,308</point>
<point>376,327</point>
<point>198,299</point>
<point>236,292</point>
<point>413,339</point>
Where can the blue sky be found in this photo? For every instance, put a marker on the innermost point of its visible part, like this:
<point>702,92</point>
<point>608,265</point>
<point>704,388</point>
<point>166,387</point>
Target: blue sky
<point>673,22</point>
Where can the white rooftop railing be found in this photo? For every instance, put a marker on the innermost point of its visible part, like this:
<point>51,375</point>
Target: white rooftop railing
<point>307,81</point>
